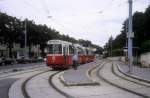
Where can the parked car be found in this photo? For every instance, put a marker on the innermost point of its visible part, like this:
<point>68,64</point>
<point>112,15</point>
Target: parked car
<point>9,61</point>
<point>40,59</point>
<point>24,60</point>
<point>37,59</point>
<point>6,61</point>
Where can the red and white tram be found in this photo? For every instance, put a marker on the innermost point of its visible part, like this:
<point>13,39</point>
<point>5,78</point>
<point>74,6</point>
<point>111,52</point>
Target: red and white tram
<point>89,54</point>
<point>81,51</point>
<point>59,54</point>
<point>78,51</point>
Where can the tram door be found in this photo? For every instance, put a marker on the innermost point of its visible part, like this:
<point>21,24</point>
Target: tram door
<point>65,52</point>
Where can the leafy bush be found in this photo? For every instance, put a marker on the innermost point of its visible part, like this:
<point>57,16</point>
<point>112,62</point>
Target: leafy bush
<point>117,52</point>
<point>145,47</point>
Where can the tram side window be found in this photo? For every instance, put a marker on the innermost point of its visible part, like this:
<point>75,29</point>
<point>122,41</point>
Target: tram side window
<point>80,51</point>
<point>55,49</point>
<point>71,50</point>
<point>87,52</point>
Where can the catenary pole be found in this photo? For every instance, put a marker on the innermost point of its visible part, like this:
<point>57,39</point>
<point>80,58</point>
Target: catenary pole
<point>130,36</point>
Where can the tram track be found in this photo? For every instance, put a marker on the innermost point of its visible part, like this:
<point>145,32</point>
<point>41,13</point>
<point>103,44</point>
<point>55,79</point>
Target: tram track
<point>56,88</point>
<point>50,82</point>
<point>27,93</point>
<point>3,76</point>
<point>128,78</point>
<point>24,91</point>
<point>16,68</point>
<point>30,72</point>
<point>105,79</point>
<point>19,74</point>
<point>98,71</point>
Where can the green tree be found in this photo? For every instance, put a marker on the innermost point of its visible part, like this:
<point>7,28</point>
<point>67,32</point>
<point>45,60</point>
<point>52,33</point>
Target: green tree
<point>9,30</point>
<point>146,46</point>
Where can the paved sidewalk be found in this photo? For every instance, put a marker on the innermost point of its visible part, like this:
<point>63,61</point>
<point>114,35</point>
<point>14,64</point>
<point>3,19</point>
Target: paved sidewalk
<point>143,73</point>
<point>79,77</point>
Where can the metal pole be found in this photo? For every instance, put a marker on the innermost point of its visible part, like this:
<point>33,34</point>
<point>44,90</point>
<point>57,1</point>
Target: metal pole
<point>126,38</point>
<point>111,46</point>
<point>25,37</point>
<point>130,57</point>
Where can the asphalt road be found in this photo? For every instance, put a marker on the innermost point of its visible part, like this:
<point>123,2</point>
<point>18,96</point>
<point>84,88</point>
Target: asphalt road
<point>4,86</point>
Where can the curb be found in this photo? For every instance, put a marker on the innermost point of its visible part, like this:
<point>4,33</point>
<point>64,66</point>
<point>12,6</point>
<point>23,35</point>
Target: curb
<point>56,88</point>
<point>88,73</point>
<point>132,76</point>
<point>76,84</point>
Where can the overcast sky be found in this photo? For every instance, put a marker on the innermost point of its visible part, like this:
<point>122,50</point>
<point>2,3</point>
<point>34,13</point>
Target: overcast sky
<point>94,20</point>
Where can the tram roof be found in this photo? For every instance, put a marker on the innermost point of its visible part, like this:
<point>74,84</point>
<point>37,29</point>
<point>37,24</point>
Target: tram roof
<point>90,48</point>
<point>79,46</point>
<point>58,42</point>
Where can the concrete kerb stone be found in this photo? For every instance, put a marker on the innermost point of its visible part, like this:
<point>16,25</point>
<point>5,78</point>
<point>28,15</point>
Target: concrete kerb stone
<point>61,79</point>
<point>132,76</point>
<point>90,70</point>
<point>52,81</point>
<point>65,83</point>
<point>88,73</point>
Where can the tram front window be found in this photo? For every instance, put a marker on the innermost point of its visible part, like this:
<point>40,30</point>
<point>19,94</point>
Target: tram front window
<point>55,49</point>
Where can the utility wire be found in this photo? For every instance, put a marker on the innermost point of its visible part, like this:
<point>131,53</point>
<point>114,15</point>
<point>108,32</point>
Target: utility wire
<point>107,6</point>
<point>36,9</point>
<point>30,5</point>
<point>122,3</point>
<point>111,3</point>
<point>45,8</point>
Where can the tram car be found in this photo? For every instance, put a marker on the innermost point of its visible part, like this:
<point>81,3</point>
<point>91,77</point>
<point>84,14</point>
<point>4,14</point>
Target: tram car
<point>84,56</point>
<point>81,52</point>
<point>89,54</point>
<point>59,54</point>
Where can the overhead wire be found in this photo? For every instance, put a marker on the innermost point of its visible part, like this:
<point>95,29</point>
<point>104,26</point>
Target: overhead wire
<point>110,4</point>
<point>122,3</point>
<point>106,7</point>
<point>45,8</point>
<point>36,9</point>
<point>30,5</point>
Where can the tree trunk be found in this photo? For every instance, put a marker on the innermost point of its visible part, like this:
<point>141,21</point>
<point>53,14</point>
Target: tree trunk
<point>42,47</point>
<point>30,50</point>
<point>10,46</point>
